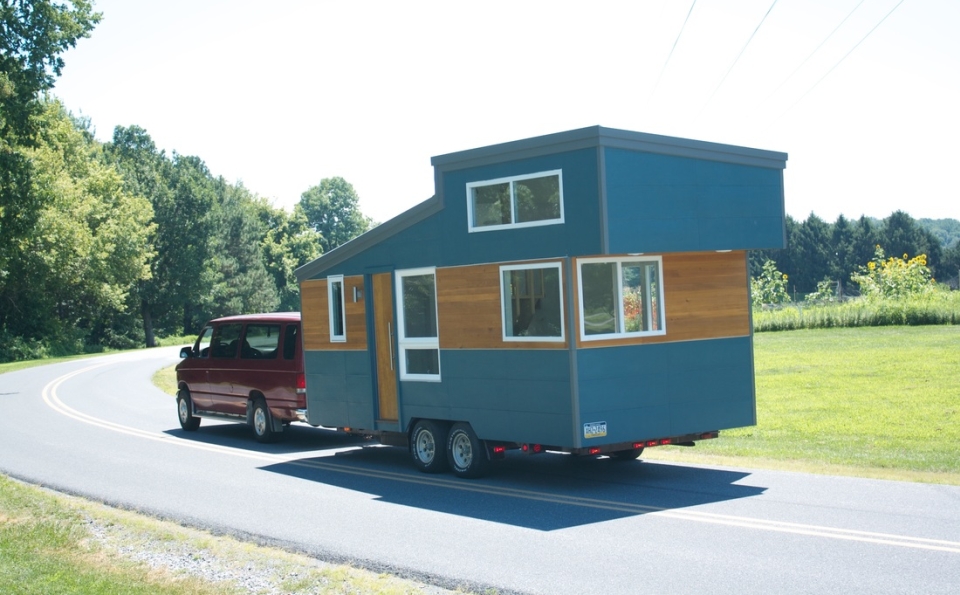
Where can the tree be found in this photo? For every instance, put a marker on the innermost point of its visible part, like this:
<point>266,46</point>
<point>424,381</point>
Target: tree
<point>842,263</point>
<point>235,275</point>
<point>88,248</point>
<point>901,235</point>
<point>33,34</point>
<point>289,243</point>
<point>332,209</point>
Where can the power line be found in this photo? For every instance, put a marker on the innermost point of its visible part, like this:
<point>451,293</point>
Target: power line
<point>737,59</point>
<point>825,40</point>
<point>675,41</point>
<point>832,68</point>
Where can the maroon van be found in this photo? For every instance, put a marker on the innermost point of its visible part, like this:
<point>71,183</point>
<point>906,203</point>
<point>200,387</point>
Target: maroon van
<point>244,368</point>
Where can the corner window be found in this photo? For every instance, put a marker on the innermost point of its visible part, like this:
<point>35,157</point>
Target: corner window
<point>518,201</point>
<point>621,297</point>
<point>532,302</point>
<point>418,339</point>
<point>338,319</point>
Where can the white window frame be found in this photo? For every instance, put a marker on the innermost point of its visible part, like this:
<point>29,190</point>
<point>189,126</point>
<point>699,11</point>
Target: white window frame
<point>621,333</point>
<point>503,306</point>
<point>513,202</point>
<point>335,338</point>
<point>403,342</point>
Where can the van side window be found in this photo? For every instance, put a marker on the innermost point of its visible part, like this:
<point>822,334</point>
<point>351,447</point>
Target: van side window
<point>290,341</point>
<point>226,339</point>
<point>260,341</point>
<point>202,347</point>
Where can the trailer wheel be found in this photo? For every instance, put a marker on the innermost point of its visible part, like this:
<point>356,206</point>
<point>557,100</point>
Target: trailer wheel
<point>466,452</point>
<point>427,446</point>
<point>185,411</point>
<point>262,423</point>
<point>626,455</point>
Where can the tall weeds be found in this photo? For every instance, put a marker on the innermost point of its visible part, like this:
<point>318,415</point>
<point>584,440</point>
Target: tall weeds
<point>936,308</point>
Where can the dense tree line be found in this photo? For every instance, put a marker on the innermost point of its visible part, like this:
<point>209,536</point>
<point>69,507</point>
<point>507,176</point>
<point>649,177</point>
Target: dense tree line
<point>113,244</point>
<point>818,251</point>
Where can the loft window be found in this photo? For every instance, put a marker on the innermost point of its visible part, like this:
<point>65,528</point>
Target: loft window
<point>418,339</point>
<point>518,201</point>
<point>532,302</point>
<point>621,297</point>
<point>338,319</point>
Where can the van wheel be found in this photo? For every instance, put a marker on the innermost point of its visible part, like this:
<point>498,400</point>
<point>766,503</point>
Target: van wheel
<point>185,411</point>
<point>626,455</point>
<point>466,452</point>
<point>427,446</point>
<point>262,423</point>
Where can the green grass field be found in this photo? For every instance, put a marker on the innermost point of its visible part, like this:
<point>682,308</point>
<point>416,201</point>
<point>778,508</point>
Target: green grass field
<point>873,401</point>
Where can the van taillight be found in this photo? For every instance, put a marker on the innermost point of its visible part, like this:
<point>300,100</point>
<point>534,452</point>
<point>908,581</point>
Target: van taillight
<point>301,383</point>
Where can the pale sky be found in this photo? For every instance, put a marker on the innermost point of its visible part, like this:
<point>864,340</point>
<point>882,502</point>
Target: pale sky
<point>282,94</point>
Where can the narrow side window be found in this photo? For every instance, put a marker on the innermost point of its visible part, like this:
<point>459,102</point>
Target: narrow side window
<point>338,318</point>
<point>418,337</point>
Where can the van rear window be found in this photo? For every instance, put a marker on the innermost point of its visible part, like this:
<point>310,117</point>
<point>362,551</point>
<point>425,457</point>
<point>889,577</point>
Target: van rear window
<point>290,341</point>
<point>261,341</point>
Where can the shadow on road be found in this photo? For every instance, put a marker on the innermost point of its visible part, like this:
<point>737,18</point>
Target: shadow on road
<point>296,438</point>
<point>544,492</point>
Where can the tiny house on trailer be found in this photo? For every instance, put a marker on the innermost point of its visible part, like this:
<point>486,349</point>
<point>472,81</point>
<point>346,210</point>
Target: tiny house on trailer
<point>584,292</point>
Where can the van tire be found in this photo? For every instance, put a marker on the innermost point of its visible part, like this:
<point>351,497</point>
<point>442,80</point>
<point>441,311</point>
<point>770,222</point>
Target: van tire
<point>262,423</point>
<point>467,453</point>
<point>188,421</point>
<point>428,446</point>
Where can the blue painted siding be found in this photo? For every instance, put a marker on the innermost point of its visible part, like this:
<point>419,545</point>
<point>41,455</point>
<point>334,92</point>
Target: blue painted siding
<point>666,389</point>
<point>340,388</point>
<point>664,203</point>
<point>519,395</point>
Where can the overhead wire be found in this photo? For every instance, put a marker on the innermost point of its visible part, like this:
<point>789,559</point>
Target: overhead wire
<point>675,41</point>
<point>737,59</point>
<point>840,61</point>
<point>816,49</point>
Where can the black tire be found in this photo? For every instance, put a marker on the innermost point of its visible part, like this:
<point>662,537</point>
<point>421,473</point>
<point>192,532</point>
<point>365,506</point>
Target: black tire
<point>466,453</point>
<point>188,421</point>
<point>428,446</point>
<point>626,455</point>
<point>262,423</point>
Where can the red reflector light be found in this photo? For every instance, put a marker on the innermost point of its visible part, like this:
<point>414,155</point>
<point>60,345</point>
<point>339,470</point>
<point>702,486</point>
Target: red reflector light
<point>594,451</point>
<point>524,447</point>
<point>538,448</point>
<point>652,442</point>
<point>638,444</point>
<point>665,441</point>
<point>499,449</point>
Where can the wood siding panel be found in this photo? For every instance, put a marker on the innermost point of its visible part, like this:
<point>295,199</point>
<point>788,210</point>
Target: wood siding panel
<point>705,297</point>
<point>316,316</point>
<point>469,310</point>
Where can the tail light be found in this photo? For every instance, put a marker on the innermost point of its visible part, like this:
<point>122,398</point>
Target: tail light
<point>301,384</point>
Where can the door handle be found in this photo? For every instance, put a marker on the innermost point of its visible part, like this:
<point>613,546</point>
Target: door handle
<point>390,343</point>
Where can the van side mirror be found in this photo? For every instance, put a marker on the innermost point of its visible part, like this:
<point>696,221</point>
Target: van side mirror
<point>186,352</point>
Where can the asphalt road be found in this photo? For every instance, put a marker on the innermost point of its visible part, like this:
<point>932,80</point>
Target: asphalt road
<point>538,524</point>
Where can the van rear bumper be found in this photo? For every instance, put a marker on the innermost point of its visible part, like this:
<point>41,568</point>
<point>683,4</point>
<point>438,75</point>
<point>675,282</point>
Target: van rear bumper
<point>301,415</point>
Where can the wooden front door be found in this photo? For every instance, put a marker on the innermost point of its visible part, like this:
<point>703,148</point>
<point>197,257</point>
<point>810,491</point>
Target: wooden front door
<point>385,328</point>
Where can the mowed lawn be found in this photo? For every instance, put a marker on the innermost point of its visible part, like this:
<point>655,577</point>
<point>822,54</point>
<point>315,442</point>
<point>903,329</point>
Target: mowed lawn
<point>874,401</point>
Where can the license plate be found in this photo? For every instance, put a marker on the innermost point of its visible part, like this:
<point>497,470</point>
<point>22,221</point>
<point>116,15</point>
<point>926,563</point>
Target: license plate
<point>595,429</point>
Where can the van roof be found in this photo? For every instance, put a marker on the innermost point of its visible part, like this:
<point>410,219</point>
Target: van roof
<point>268,316</point>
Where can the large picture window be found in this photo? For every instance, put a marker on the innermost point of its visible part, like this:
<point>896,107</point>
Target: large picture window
<point>518,201</point>
<point>338,318</point>
<point>532,302</point>
<point>621,297</point>
<point>418,339</point>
